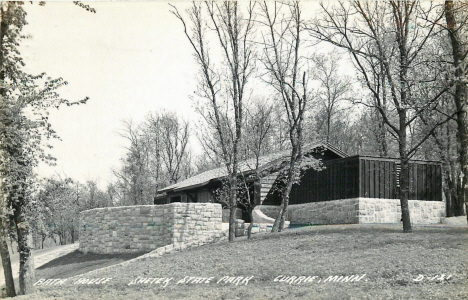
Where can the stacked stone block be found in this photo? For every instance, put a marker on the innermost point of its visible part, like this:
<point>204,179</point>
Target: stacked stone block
<point>389,211</point>
<point>261,227</point>
<point>147,227</point>
<point>362,210</point>
<point>192,221</point>
<point>240,229</point>
<point>330,212</point>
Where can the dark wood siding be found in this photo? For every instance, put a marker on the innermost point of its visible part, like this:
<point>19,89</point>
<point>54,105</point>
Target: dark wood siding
<point>379,180</point>
<point>338,180</point>
<point>368,177</point>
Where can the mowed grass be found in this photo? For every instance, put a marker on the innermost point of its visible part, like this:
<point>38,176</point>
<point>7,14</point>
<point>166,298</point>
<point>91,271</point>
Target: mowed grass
<point>392,262</point>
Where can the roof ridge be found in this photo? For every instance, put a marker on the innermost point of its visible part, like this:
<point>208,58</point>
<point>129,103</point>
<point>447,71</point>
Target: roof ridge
<point>219,172</point>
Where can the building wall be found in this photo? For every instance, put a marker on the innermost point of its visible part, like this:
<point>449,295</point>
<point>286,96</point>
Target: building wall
<point>365,177</point>
<point>360,210</point>
<point>143,228</point>
<point>204,196</point>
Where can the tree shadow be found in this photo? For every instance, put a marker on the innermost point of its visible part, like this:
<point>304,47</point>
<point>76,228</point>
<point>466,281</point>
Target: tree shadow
<point>78,257</point>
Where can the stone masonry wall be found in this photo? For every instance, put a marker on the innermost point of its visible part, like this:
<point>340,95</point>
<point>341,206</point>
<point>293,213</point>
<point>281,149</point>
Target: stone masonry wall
<point>362,210</point>
<point>192,221</point>
<point>147,227</point>
<point>389,211</point>
<point>330,212</point>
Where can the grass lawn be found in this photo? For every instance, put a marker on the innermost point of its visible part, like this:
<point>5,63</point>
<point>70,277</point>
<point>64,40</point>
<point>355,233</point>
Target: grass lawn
<point>388,263</point>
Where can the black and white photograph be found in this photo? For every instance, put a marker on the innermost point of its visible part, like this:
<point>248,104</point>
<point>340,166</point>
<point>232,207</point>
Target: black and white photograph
<point>234,149</point>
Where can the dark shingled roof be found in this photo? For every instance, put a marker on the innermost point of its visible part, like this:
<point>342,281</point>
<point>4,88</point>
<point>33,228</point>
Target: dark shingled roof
<point>264,162</point>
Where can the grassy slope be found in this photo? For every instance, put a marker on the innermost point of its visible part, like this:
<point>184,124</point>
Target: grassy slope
<point>389,258</point>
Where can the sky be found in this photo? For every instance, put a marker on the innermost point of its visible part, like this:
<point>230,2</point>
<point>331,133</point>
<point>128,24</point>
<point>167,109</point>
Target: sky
<point>129,58</point>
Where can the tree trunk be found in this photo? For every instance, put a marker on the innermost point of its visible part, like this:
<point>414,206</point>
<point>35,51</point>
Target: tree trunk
<point>451,194</point>
<point>461,94</point>
<point>26,271</point>
<point>6,262</point>
<point>458,199</point>
<point>232,208</point>
<point>249,230</point>
<point>404,192</point>
<point>284,210</point>
<point>279,222</point>
<point>448,202</point>
<point>382,139</point>
<point>404,172</point>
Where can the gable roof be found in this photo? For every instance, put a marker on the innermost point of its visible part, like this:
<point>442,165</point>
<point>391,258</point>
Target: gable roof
<point>264,162</point>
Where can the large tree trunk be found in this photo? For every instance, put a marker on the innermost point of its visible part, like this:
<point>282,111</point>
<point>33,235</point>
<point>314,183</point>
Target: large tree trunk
<point>452,201</point>
<point>280,220</point>
<point>461,93</point>
<point>6,262</point>
<point>404,193</point>
<point>448,202</point>
<point>26,271</point>
<point>404,173</point>
<point>10,286</point>
<point>232,208</point>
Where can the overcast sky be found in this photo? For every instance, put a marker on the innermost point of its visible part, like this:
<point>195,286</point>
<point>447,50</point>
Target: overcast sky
<point>130,58</point>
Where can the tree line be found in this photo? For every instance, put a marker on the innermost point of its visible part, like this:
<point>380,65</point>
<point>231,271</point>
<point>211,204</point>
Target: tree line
<point>409,63</point>
<point>25,131</point>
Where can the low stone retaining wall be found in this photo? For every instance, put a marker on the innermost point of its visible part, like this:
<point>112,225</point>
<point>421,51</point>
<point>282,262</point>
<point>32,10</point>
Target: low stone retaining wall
<point>242,228</point>
<point>389,211</point>
<point>147,227</point>
<point>260,227</point>
<point>330,212</point>
<point>361,210</point>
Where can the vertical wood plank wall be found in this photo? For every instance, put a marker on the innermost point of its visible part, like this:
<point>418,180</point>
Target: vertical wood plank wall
<point>368,177</point>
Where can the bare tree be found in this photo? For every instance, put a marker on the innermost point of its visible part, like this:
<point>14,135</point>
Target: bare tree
<point>133,177</point>
<point>443,147</point>
<point>175,135</point>
<point>258,127</point>
<point>390,38</point>
<point>223,90</point>
<point>333,89</point>
<point>288,75</point>
<point>157,155</point>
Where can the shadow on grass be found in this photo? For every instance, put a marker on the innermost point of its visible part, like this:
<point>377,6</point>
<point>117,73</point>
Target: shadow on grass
<point>79,257</point>
<point>76,263</point>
